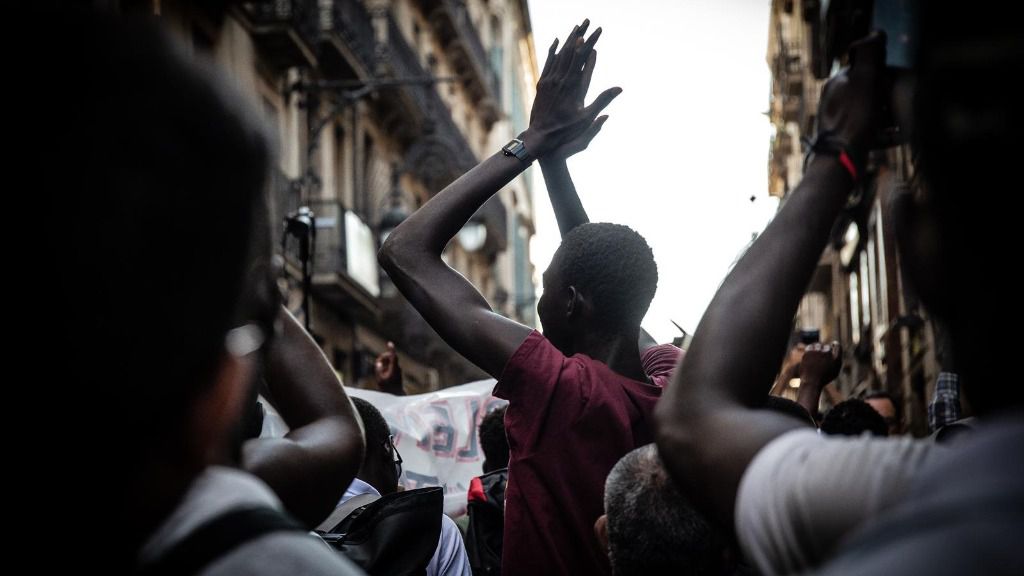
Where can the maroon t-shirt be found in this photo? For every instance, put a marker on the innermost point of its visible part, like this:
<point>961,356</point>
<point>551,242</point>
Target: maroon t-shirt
<point>569,420</point>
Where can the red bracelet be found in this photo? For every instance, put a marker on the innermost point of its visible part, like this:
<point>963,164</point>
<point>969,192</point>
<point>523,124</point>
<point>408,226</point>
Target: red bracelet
<point>847,163</point>
<point>825,144</point>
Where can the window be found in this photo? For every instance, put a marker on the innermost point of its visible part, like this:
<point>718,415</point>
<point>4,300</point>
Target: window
<point>854,308</point>
<point>883,279</point>
<point>865,294</point>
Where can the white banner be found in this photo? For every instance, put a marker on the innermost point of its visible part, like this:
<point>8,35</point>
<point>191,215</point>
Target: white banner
<point>436,434</point>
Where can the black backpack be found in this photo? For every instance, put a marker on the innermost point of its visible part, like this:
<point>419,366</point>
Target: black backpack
<point>486,522</point>
<point>393,535</point>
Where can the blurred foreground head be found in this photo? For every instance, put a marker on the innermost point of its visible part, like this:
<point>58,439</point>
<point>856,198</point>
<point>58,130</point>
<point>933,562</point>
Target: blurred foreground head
<point>158,180</point>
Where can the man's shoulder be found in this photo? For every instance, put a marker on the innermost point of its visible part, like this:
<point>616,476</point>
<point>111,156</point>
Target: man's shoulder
<point>221,493</point>
<point>216,491</point>
<point>450,534</point>
<point>450,556</point>
<point>535,348</point>
<point>660,361</point>
<point>959,495</point>
<point>662,352</point>
<point>536,363</point>
<point>283,553</point>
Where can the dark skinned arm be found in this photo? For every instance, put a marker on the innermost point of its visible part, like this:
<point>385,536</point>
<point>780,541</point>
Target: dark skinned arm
<point>565,202</point>
<point>312,465</point>
<point>709,427</point>
<point>412,253</point>
<point>820,366</point>
<point>447,301</point>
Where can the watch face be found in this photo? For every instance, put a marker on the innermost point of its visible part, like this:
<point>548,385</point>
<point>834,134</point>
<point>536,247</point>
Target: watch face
<point>515,148</point>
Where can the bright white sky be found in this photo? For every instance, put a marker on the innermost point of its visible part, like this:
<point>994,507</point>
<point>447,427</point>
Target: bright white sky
<point>686,144</point>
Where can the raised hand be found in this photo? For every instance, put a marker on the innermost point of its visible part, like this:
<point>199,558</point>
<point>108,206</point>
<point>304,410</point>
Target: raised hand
<point>559,116</point>
<point>388,372</point>
<point>579,143</point>
<point>820,364</point>
<point>850,101</point>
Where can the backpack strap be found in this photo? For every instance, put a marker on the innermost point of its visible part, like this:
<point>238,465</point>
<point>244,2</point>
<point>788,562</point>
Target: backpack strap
<point>217,537</point>
<point>342,512</point>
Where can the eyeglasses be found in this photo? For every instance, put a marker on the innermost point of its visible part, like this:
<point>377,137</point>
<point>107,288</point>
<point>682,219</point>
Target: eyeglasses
<point>395,455</point>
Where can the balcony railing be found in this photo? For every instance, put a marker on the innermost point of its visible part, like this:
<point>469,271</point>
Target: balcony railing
<point>287,30</point>
<point>474,47</point>
<point>329,256</point>
<point>402,62</point>
<point>467,49</point>
<point>350,23</point>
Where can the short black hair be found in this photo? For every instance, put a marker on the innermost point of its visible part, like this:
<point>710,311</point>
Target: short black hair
<point>652,528</point>
<point>493,440</point>
<point>886,396</point>
<point>789,407</point>
<point>853,417</point>
<point>374,425</point>
<point>614,266</point>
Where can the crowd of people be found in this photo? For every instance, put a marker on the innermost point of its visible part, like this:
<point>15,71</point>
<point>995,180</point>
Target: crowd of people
<point>615,454</point>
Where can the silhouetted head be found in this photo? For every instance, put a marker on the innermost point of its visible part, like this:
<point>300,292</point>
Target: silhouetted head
<point>888,409</point>
<point>852,418</point>
<point>493,440</point>
<point>601,281</point>
<point>650,528</point>
<point>381,463</point>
